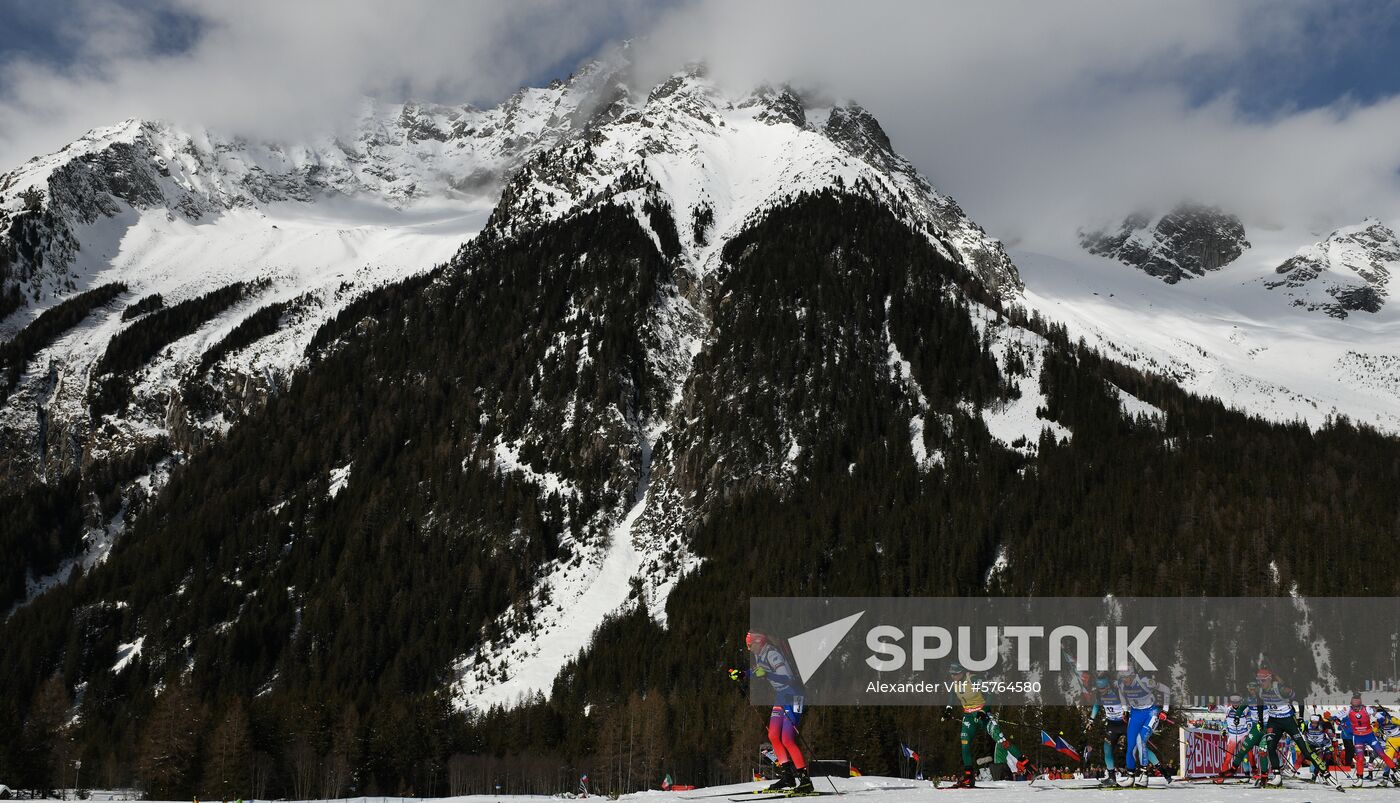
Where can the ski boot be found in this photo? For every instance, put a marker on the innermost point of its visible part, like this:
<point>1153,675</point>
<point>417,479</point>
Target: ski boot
<point>968,781</point>
<point>1109,779</point>
<point>804,783</point>
<point>785,780</point>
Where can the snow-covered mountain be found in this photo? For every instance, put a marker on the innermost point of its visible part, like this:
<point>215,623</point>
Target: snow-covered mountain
<point>225,257</point>
<point>393,155</point>
<point>1251,332</point>
<point>178,212</point>
<point>717,159</point>
<point>1188,241</point>
<point>426,407</point>
<point>1347,272</point>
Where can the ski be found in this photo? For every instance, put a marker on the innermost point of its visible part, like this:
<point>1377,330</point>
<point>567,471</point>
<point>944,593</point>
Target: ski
<point>1076,784</point>
<point>952,785</point>
<point>1331,781</point>
<point>780,796</point>
<point>728,793</point>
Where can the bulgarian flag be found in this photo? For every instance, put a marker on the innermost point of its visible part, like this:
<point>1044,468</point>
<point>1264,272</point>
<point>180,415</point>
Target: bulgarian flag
<point>1059,745</point>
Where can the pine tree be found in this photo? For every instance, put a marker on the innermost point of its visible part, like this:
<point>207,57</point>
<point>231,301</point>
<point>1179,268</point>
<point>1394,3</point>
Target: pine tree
<point>170,743</point>
<point>227,763</point>
<point>48,751</point>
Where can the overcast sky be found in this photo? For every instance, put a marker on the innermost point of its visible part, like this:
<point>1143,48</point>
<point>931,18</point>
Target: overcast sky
<point>1033,114</point>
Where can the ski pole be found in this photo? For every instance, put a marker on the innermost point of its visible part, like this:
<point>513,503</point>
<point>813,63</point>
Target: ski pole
<point>802,742</point>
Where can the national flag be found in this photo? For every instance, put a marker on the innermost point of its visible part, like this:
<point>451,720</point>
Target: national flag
<point>770,755</point>
<point>666,783</point>
<point>1059,745</point>
<point>910,754</point>
<point>855,773</point>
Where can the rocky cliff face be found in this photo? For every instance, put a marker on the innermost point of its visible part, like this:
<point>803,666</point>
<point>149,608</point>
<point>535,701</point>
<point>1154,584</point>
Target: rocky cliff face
<point>1347,272</point>
<point>1188,241</point>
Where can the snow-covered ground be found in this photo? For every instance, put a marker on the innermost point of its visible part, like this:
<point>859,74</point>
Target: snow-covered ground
<point>1226,334</point>
<point>903,790</point>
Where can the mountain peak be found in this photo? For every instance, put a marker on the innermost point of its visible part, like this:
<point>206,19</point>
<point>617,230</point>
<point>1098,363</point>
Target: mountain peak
<point>722,157</point>
<point>1348,271</point>
<point>1190,240</point>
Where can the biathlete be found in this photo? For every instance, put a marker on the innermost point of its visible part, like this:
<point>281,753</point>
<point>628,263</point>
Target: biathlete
<point>1280,720</point>
<point>1348,743</point>
<point>1390,731</point>
<point>1108,698</point>
<point>1147,701</point>
<point>967,694</point>
<point>1319,739</point>
<point>1243,734</point>
<point>1365,734</point>
<point>771,664</point>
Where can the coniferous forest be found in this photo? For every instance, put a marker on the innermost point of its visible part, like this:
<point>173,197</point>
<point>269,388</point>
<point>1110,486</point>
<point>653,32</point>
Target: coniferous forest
<point>303,640</point>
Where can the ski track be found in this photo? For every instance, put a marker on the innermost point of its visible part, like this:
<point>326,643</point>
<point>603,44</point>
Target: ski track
<point>876,789</point>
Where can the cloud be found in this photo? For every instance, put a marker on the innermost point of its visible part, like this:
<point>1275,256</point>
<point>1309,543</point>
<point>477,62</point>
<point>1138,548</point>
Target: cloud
<point>270,67</point>
<point>1040,116</point>
<point>1035,116</point>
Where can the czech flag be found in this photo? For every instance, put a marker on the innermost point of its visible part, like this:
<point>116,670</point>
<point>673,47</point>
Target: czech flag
<point>909,753</point>
<point>1059,745</point>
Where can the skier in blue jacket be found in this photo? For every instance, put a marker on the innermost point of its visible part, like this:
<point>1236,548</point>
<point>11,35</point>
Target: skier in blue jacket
<point>1147,702</point>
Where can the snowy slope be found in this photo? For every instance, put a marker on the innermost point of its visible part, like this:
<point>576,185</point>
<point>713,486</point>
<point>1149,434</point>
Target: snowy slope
<point>720,158</point>
<point>1227,333</point>
<point>340,251</point>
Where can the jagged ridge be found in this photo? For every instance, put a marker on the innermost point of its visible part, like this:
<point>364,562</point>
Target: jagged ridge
<point>1347,272</point>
